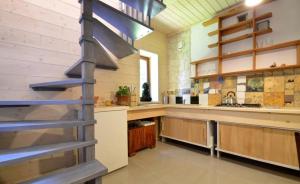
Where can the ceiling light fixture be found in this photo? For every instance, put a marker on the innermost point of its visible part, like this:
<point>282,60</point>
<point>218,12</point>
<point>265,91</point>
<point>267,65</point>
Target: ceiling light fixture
<point>252,3</point>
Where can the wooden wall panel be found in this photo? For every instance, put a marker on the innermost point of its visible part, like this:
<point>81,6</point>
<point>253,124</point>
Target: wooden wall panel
<point>37,44</point>
<point>19,22</point>
<point>34,11</point>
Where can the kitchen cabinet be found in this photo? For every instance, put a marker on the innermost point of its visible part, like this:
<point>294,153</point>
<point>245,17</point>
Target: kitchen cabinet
<point>264,144</point>
<point>141,137</point>
<point>186,130</point>
<point>111,133</point>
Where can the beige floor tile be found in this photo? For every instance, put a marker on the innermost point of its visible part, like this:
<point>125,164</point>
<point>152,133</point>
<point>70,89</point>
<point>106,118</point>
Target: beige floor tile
<point>174,164</point>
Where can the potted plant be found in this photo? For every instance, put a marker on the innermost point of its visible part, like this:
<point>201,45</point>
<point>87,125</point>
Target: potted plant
<point>123,95</point>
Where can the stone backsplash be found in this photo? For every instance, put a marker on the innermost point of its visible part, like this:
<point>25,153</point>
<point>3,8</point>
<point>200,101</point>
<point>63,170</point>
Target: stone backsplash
<point>273,89</point>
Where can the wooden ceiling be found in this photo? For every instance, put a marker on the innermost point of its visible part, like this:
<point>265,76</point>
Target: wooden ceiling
<point>182,14</point>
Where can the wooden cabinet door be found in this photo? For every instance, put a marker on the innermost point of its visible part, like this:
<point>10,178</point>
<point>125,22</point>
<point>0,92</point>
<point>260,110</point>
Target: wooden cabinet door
<point>263,143</point>
<point>192,131</point>
<point>280,146</point>
<point>243,140</point>
<point>171,127</point>
<point>196,131</point>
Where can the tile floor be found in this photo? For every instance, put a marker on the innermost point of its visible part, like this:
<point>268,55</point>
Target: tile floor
<point>171,163</point>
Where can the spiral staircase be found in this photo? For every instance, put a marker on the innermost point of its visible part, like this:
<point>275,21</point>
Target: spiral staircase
<point>101,47</point>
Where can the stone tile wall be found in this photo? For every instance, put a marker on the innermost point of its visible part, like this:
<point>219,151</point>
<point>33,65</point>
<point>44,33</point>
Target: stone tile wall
<point>179,56</point>
<point>274,89</point>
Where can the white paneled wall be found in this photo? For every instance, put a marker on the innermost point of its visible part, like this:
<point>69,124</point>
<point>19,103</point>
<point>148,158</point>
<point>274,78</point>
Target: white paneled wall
<point>38,42</point>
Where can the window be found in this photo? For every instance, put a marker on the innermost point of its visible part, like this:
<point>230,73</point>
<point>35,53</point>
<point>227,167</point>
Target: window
<point>144,72</point>
<point>149,74</point>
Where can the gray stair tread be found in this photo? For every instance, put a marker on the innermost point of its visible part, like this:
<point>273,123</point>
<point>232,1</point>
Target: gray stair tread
<point>143,6</point>
<point>75,70</point>
<point>16,103</point>
<point>57,85</point>
<point>74,175</point>
<point>157,7</point>
<point>8,126</point>
<point>8,157</point>
<point>124,23</point>
<point>103,60</point>
<point>146,6</point>
<point>113,42</point>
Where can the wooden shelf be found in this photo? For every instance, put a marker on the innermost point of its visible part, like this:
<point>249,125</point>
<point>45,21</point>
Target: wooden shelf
<point>258,50</point>
<point>205,60</point>
<point>213,45</point>
<point>295,43</point>
<point>234,12</point>
<point>230,13</point>
<point>279,46</point>
<point>253,51</point>
<point>236,39</point>
<point>239,26</point>
<point>236,27</point>
<point>238,54</point>
<point>262,32</point>
<point>242,37</point>
<point>205,76</point>
<point>213,33</point>
<point>239,10</point>
<point>264,16</point>
<point>248,72</point>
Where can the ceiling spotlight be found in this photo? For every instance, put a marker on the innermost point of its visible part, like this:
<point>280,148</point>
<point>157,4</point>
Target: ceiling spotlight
<point>251,3</point>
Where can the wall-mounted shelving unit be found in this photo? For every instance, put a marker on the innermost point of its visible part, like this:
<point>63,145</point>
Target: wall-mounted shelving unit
<point>248,72</point>
<point>241,26</point>
<point>242,37</point>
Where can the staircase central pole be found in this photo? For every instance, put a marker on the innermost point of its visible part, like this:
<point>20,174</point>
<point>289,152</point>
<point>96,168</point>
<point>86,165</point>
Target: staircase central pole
<point>86,133</point>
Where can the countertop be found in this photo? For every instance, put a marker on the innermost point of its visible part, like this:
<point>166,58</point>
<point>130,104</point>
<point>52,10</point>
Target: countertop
<point>240,109</point>
<point>110,108</point>
<point>283,110</point>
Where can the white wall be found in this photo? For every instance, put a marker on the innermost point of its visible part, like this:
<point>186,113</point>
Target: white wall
<point>200,40</point>
<point>285,25</point>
